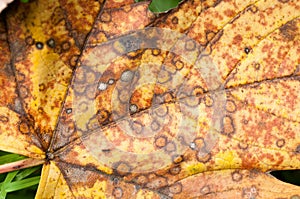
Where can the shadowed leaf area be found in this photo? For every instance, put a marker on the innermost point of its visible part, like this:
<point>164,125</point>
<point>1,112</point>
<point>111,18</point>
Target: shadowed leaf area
<point>199,102</point>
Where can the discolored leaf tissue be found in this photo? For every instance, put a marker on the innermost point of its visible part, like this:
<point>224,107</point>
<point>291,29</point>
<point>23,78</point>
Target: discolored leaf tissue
<point>199,102</point>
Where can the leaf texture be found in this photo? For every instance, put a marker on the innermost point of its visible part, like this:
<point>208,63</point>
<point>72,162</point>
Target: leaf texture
<point>198,102</point>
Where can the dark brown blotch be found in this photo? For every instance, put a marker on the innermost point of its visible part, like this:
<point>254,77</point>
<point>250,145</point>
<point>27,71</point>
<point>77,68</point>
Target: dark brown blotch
<point>289,30</point>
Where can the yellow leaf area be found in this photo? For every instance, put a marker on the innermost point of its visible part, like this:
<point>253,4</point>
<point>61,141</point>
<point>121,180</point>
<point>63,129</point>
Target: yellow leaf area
<point>199,102</point>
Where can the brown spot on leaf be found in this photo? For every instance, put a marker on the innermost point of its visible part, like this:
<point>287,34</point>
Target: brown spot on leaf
<point>237,40</point>
<point>228,126</point>
<point>205,190</point>
<point>24,128</point>
<point>229,13</point>
<point>289,30</point>
<point>237,176</point>
<point>117,192</point>
<point>280,143</point>
<point>203,156</point>
<point>122,168</point>
<point>175,170</point>
<point>3,119</point>
<point>230,106</point>
<point>29,40</point>
<point>141,180</point>
<point>176,188</point>
<point>160,141</point>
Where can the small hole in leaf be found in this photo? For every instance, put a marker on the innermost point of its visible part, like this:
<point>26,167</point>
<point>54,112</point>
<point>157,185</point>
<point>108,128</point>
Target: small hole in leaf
<point>39,45</point>
<point>288,176</point>
<point>247,50</point>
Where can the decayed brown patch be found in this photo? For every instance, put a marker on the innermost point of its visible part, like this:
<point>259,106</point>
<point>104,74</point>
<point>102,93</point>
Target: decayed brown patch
<point>289,30</point>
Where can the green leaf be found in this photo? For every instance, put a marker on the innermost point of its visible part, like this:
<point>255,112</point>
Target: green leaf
<point>22,184</point>
<point>9,177</point>
<point>158,6</point>
<point>10,158</point>
<point>26,172</point>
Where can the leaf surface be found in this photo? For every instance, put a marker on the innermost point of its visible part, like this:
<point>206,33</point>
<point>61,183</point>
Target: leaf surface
<point>123,103</point>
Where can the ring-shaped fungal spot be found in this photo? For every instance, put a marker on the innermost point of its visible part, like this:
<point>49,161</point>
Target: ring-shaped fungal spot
<point>51,43</point>
<point>230,106</point>
<point>256,65</point>
<point>190,45</point>
<point>179,65</point>
<point>122,168</point>
<point>176,159</point>
<point>123,97</point>
<point>208,100</point>
<point>155,126</point>
<point>280,143</point>
<point>105,17</point>
<point>155,52</point>
<point>175,170</point>
<point>73,60</point>
<point>164,76</point>
<point>23,91</point>
<point>199,143</point>
<point>205,190</point>
<point>254,8</point>
<point>174,20</point>
<point>197,91</point>
<point>82,107</point>
<point>176,188</point>
<point>243,145</point>
<point>170,147</point>
<point>236,176</point>
<point>157,182</point>
<point>228,126</point>
<point>29,41</point>
<point>137,127</point>
<point>66,45</point>
<point>3,119</point>
<point>117,192</point>
<point>103,116</point>
<point>58,50</point>
<point>141,180</point>
<point>170,68</point>
<point>160,141</point>
<point>161,111</point>
<point>24,128</point>
<point>39,45</point>
<point>191,101</point>
<point>203,156</point>
<point>250,192</point>
<point>161,155</point>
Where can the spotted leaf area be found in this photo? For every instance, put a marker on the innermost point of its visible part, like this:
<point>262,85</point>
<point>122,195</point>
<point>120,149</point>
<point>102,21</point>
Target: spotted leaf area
<point>198,102</point>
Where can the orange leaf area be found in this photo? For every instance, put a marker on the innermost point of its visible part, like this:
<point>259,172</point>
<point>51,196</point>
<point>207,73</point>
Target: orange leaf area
<point>199,102</point>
